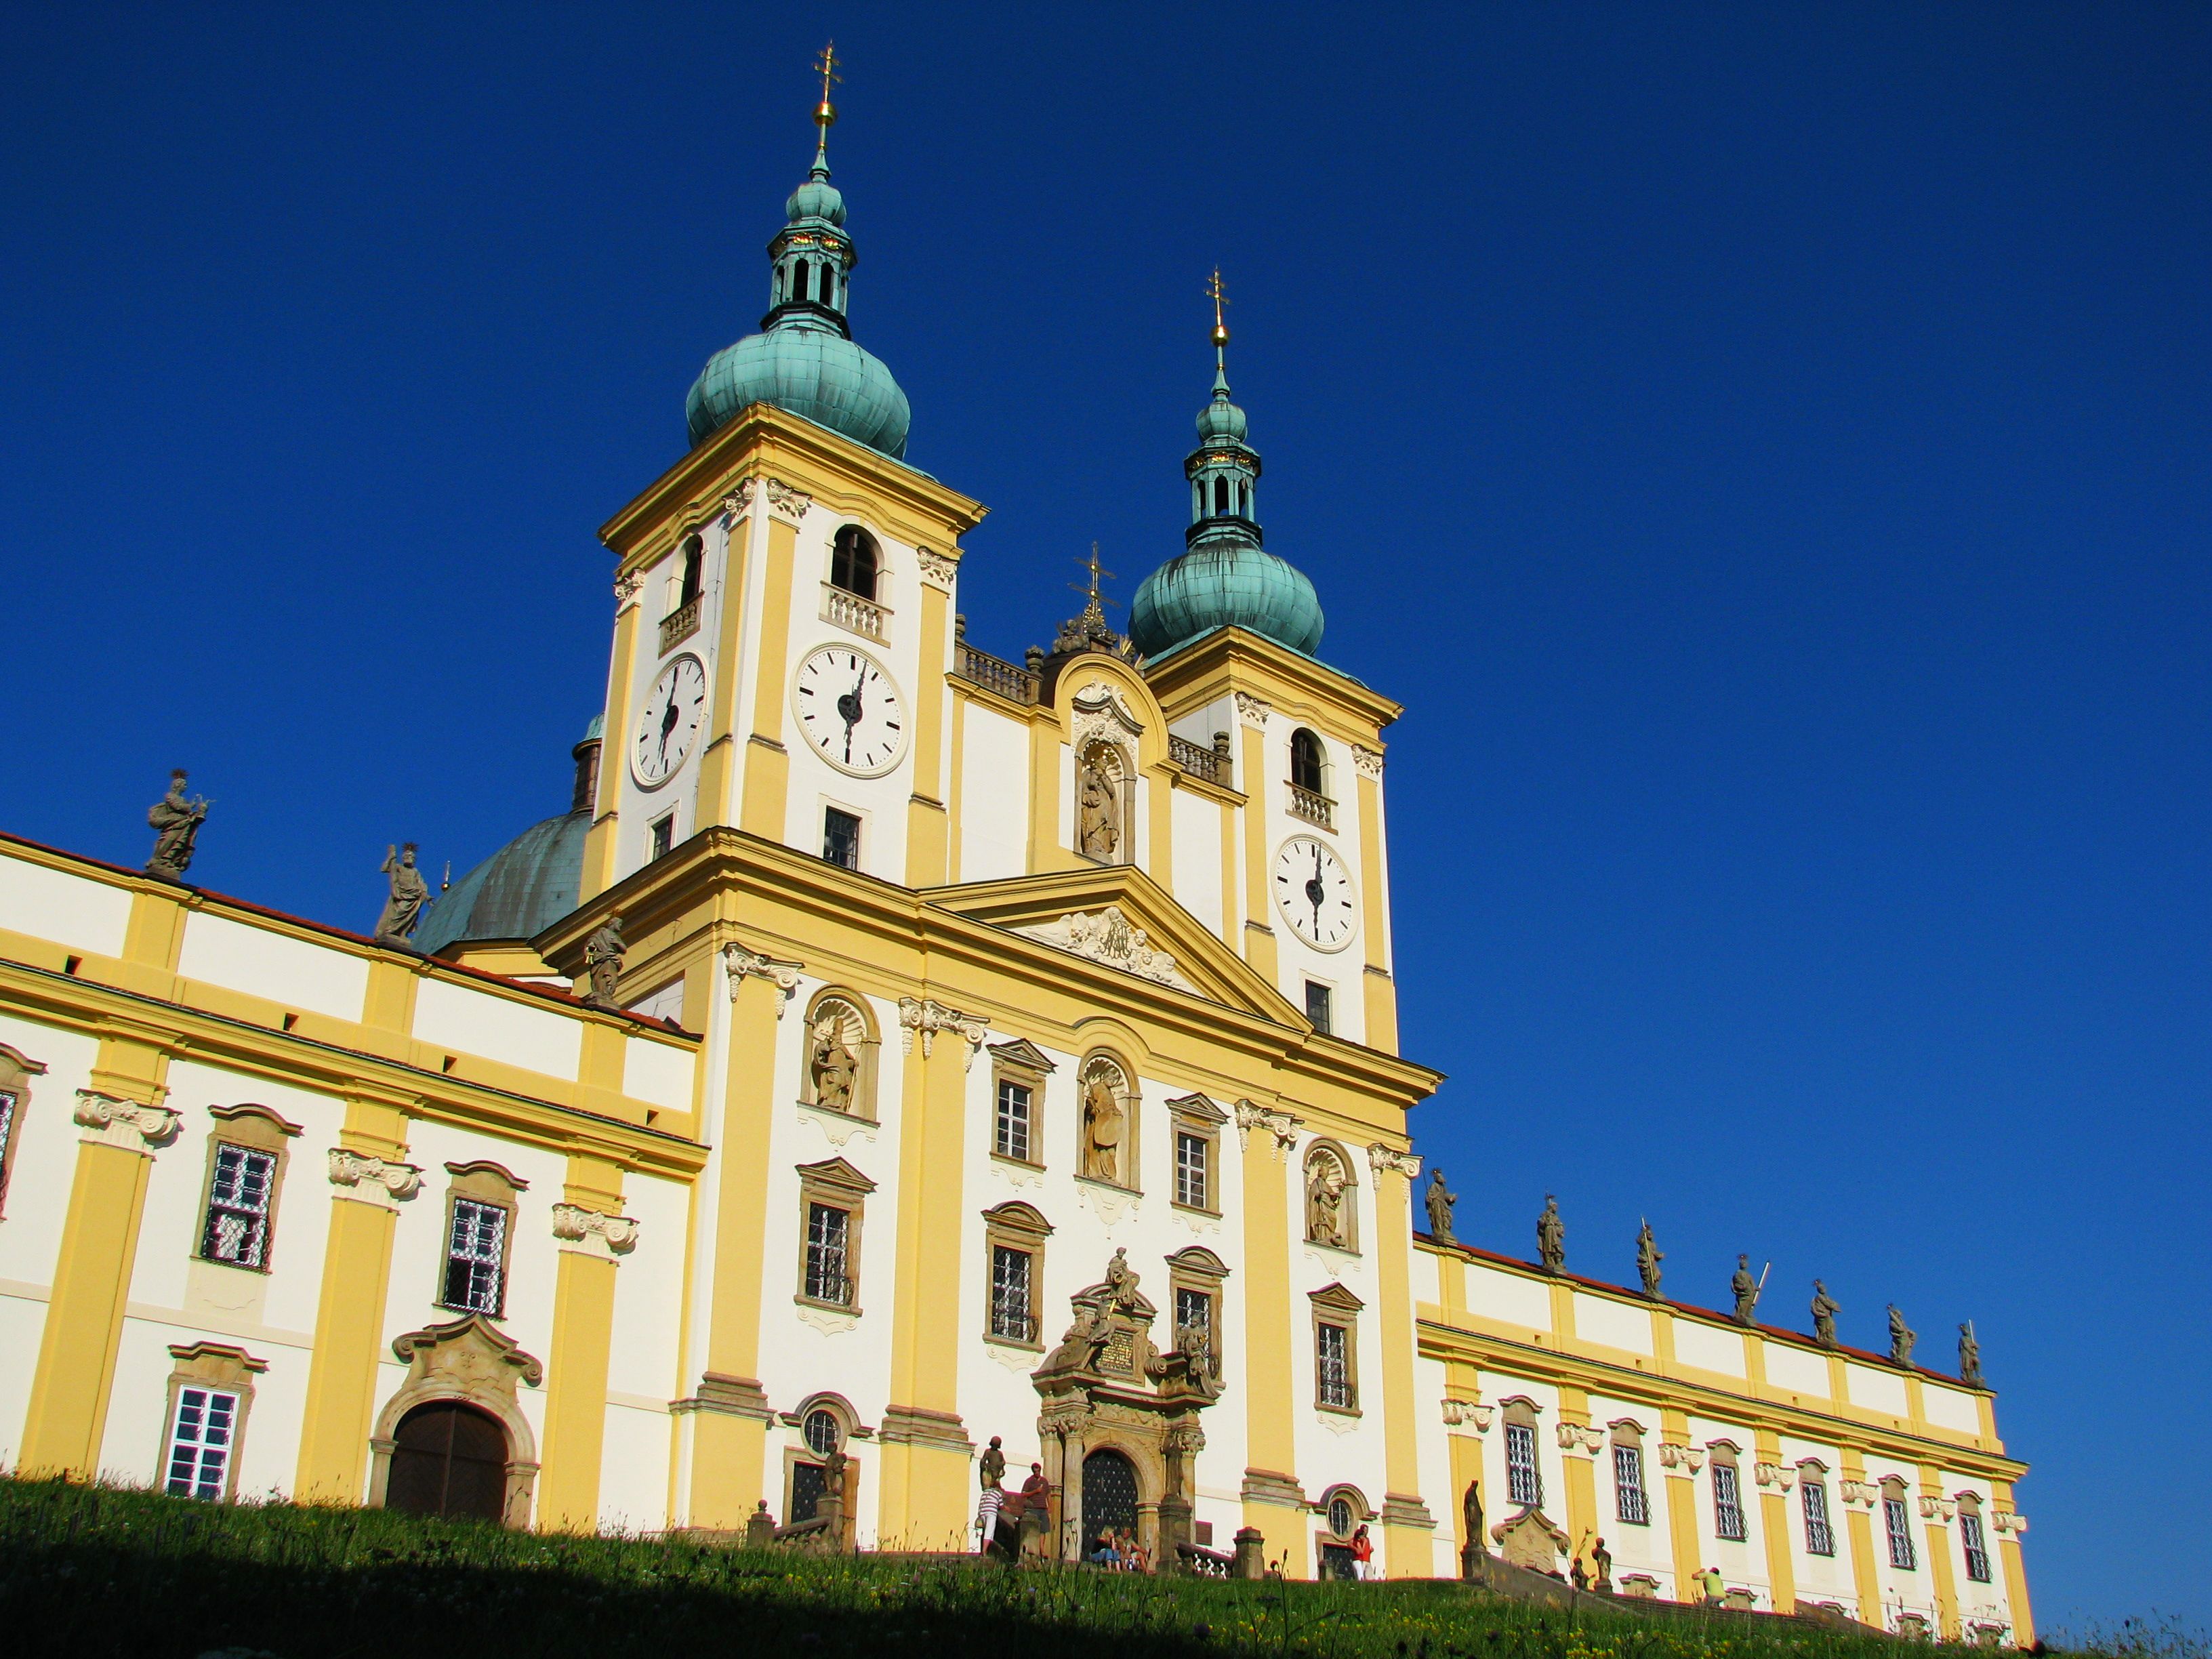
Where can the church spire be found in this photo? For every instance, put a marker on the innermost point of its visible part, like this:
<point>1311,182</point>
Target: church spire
<point>1224,473</point>
<point>812,257</point>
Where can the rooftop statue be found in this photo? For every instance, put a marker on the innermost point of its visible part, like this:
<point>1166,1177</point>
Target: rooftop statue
<point>1440,1199</point>
<point>603,956</point>
<point>1901,1338</point>
<point>1825,1310</point>
<point>1649,1256</point>
<point>410,895</point>
<point>176,822</point>
<point>1746,1291</point>
<point>1970,1356</point>
<point>1552,1236</point>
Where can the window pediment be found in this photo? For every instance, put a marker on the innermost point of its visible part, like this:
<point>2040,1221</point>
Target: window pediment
<point>835,1172</point>
<point>1021,1054</point>
<point>1336,1299</point>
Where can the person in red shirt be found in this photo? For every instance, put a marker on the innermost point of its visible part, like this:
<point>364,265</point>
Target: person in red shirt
<point>1363,1555</point>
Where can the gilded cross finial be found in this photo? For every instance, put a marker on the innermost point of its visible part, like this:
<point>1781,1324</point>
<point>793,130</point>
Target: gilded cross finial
<point>1095,603</point>
<point>1220,298</point>
<point>825,112</point>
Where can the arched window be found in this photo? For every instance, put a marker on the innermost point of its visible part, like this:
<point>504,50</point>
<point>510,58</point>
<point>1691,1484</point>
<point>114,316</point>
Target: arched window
<point>854,562</point>
<point>1244,499</point>
<point>694,561</point>
<point>825,1423</point>
<point>1221,494</point>
<point>1306,758</point>
<point>1524,1477</point>
<point>449,1459</point>
<point>1728,1492</point>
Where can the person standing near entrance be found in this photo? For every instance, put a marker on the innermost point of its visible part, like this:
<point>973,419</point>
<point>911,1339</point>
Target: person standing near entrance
<point>1037,1512</point>
<point>986,1517</point>
<point>1363,1555</point>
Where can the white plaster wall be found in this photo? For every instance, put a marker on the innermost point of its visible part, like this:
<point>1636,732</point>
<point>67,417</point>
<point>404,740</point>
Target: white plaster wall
<point>1197,871</point>
<point>22,1322</point>
<point>1432,1443</point>
<point>634,1470</point>
<point>1950,1409</point>
<point>472,1021</point>
<point>264,963</point>
<point>1820,1577</point>
<point>1800,1370</point>
<point>994,795</point>
<point>1508,1297</point>
<point>1909,1591</point>
<point>1646,1547</point>
<point>649,1293</point>
<point>638,805</point>
<point>46,1154</point>
<point>1877,1390</point>
<point>85,915</point>
<point>1617,1324</point>
<point>1709,1347</point>
<point>658,1073</point>
<point>1742,1565</point>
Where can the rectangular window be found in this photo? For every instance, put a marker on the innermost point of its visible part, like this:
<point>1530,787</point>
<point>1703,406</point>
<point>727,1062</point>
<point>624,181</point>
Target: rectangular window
<point>1631,1503</point>
<point>828,1278</point>
<point>1728,1503</point>
<point>6,1136</point>
<point>1820,1538</point>
<point>664,837</point>
<point>1012,1139</point>
<point>1317,1005</point>
<point>1977,1551</point>
<point>237,1229</point>
<point>1194,1308</point>
<point>840,838</point>
<point>1523,1485</point>
<point>1010,1294</point>
<point>1190,1169</point>
<point>1333,1363</point>
<point>200,1442</point>
<point>476,1258</point>
<point>1901,1553</point>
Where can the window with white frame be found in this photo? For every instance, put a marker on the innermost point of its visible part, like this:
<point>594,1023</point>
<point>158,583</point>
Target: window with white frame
<point>1631,1501</point>
<point>16,1070</point>
<point>1190,1170</point>
<point>1728,1501</point>
<point>201,1438</point>
<point>1014,1235</point>
<point>476,1258</point>
<point>1011,1275</point>
<point>1977,1551</point>
<point>1812,1499</point>
<point>1898,1524</point>
<point>237,1227</point>
<point>1013,1123</point>
<point>829,1233</point>
<point>1333,1366</point>
<point>1524,1483</point>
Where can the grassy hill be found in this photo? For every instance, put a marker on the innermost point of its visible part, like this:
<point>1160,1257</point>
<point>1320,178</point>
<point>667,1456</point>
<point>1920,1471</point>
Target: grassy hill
<point>96,1570</point>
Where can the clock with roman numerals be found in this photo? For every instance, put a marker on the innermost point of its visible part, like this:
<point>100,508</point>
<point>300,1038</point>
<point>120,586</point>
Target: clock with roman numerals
<point>1313,889</point>
<point>850,711</point>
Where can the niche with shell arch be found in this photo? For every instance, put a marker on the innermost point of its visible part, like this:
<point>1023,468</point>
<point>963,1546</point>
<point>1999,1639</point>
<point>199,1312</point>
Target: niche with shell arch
<point>1106,1150</point>
<point>1331,1198</point>
<point>837,1072</point>
<point>1103,775</point>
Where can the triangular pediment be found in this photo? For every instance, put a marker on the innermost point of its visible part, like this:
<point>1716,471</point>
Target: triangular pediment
<point>1023,1054</point>
<point>1119,917</point>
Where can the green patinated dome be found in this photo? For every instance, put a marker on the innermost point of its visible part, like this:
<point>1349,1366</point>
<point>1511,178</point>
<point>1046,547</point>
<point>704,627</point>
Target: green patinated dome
<point>804,360</point>
<point>520,891</point>
<point>1231,584</point>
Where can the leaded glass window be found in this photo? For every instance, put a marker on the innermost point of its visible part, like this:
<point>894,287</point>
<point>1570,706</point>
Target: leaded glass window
<point>1333,1360</point>
<point>823,1431</point>
<point>200,1442</point>
<point>1902,1555</point>
<point>1013,1120</point>
<point>1630,1501</point>
<point>1523,1484</point>
<point>237,1229</point>
<point>1190,1169</point>
<point>1728,1503</point>
<point>1010,1272</point>
<point>476,1258</point>
<point>1820,1538</point>
<point>1978,1552</point>
<point>829,1277</point>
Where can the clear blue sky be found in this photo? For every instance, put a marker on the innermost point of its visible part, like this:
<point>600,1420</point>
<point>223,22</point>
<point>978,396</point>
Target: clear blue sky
<point>1766,449</point>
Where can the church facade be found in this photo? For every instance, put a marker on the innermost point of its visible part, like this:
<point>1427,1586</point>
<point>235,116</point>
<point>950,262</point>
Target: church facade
<point>895,1048</point>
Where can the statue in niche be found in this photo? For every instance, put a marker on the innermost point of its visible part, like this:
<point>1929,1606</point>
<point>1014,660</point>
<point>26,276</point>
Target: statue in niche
<point>1120,1282</point>
<point>832,1066</point>
<point>1970,1356</point>
<point>1102,1120</point>
<point>1745,1289</point>
<point>176,823</point>
<point>1902,1336</point>
<point>1098,833</point>
<point>1325,1203</point>
<point>602,955</point>
<point>1825,1310</point>
<point>1649,1256</point>
<point>409,896</point>
<point>1440,1199</point>
<point>1550,1236</point>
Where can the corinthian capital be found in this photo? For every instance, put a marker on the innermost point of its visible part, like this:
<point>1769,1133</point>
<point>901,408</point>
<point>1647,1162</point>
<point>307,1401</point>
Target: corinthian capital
<point>925,1017</point>
<point>744,965</point>
<point>1386,1160</point>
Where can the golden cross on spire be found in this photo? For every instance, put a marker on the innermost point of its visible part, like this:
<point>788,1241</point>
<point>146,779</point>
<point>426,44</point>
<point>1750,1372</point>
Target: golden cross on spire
<point>825,64</point>
<point>1220,299</point>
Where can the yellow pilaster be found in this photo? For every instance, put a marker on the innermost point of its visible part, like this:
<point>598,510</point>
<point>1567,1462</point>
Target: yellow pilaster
<point>2015,1568</point>
<point>122,1124</point>
<point>926,825</point>
<point>1774,1523</point>
<point>1859,1524</point>
<point>1259,913</point>
<point>1408,1531</point>
<point>1681,1484</point>
<point>954,788</point>
<point>1231,928</point>
<point>1159,789</point>
<point>768,765</point>
<point>1381,998</point>
<point>152,938</point>
<point>926,1453</point>
<point>1271,1483</point>
<point>718,761</point>
<point>1937,1542</point>
<point>590,1230</point>
<point>1046,853</point>
<point>355,1289</point>
<point>729,1439</point>
<point>1466,1470</point>
<point>1581,1471</point>
<point>614,752</point>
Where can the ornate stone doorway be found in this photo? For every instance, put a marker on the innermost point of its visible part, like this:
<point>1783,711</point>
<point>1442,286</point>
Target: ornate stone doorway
<point>448,1459</point>
<point>1110,1495</point>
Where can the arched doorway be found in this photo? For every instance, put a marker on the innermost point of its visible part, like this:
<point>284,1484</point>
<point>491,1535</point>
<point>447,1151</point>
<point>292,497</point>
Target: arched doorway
<point>1110,1495</point>
<point>449,1459</point>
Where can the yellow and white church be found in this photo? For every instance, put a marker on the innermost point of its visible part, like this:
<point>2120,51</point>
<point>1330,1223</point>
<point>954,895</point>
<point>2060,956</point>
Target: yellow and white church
<point>994,1049</point>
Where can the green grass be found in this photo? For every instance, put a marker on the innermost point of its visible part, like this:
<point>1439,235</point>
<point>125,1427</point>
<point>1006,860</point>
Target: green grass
<point>88,1571</point>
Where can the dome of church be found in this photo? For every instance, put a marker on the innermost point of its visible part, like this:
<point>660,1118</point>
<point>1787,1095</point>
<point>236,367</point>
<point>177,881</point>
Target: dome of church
<point>806,371</point>
<point>1221,420</point>
<point>521,890</point>
<point>1228,585</point>
<point>818,198</point>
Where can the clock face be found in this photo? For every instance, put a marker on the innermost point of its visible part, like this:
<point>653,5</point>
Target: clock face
<point>675,714</point>
<point>1314,891</point>
<point>850,711</point>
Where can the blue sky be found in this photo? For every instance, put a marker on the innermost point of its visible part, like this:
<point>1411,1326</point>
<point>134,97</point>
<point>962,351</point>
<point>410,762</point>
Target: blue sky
<point>1764,448</point>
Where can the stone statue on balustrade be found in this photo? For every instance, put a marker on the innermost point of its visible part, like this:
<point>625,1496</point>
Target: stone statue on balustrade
<point>1649,1256</point>
<point>1901,1338</point>
<point>176,823</point>
<point>603,957</point>
<point>1440,1199</point>
<point>1825,1310</point>
<point>408,896</point>
<point>1552,1236</point>
<point>1746,1290</point>
<point>1970,1356</point>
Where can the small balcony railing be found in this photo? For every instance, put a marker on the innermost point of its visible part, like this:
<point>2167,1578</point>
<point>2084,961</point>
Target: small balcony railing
<point>994,674</point>
<point>680,624</point>
<point>1198,760</point>
<point>849,611</point>
<point>1313,806</point>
